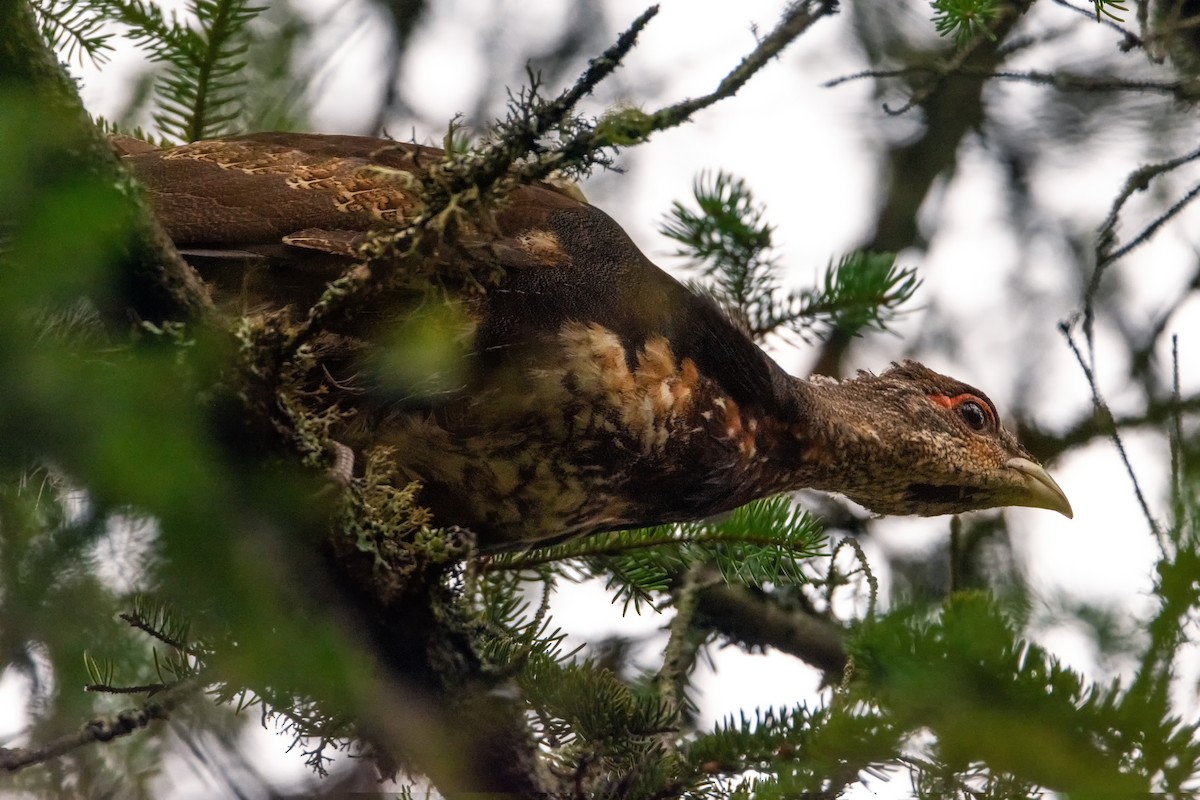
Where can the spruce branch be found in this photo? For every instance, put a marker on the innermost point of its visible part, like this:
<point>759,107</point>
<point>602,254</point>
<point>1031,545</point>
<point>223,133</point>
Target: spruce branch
<point>766,541</point>
<point>75,27</point>
<point>729,240</point>
<point>1110,9</point>
<point>200,91</point>
<point>859,291</point>
<point>965,20</point>
<point>795,752</point>
<point>1130,40</point>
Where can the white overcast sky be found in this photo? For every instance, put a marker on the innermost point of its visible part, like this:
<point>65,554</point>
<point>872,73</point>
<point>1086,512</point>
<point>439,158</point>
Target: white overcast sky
<point>804,150</point>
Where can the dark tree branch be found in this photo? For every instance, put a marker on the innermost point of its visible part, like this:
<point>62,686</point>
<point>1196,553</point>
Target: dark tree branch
<point>752,618</point>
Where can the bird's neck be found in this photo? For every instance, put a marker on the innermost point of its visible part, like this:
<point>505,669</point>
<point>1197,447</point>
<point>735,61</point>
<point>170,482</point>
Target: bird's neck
<point>817,435</point>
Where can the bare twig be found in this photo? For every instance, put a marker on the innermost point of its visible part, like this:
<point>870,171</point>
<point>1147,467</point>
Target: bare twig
<point>105,688</point>
<point>1106,237</point>
<point>1179,493</point>
<point>1152,228</point>
<point>955,64</point>
<point>1102,408</point>
<point>864,566</point>
<point>1062,81</point>
<point>796,20</point>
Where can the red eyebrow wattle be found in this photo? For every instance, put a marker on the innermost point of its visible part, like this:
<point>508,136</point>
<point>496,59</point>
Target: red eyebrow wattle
<point>946,401</point>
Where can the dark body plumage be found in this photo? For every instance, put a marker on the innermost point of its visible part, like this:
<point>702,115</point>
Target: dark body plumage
<point>598,393</point>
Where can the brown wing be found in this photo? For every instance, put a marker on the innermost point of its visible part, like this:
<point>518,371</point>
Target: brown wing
<point>269,218</point>
<point>295,199</point>
<point>264,192</point>
<point>254,193</point>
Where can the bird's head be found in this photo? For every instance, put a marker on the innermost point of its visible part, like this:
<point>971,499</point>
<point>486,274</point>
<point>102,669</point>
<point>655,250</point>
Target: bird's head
<point>913,441</point>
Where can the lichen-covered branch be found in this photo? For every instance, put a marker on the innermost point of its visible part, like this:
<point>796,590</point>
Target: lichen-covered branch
<point>100,729</point>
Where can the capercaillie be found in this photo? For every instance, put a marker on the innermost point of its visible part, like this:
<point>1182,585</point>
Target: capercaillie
<point>596,392</point>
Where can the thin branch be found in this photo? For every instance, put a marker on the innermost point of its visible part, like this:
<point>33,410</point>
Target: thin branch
<point>1018,44</point>
<point>1153,227</point>
<point>1131,39</point>
<point>796,20</point>
<point>105,688</point>
<point>1102,408</point>
<point>1178,494</point>
<point>865,567</point>
<point>957,62</point>
<point>100,729</point>
<point>1183,90</point>
<point>1106,237</point>
<point>137,621</point>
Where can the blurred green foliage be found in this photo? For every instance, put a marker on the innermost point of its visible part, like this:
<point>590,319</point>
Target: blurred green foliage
<point>131,483</point>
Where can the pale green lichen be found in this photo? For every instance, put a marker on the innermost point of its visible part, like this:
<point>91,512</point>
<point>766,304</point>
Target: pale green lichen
<point>624,126</point>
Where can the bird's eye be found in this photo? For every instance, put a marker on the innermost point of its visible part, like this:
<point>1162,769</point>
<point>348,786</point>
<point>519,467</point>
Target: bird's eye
<point>974,415</point>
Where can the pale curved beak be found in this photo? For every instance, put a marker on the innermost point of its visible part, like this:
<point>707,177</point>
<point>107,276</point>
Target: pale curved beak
<point>1042,491</point>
